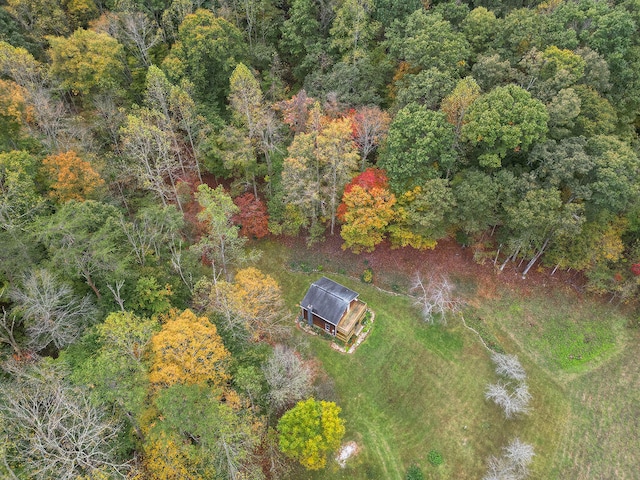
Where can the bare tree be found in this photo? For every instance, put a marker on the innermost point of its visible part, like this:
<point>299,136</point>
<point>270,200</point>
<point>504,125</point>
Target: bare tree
<point>513,399</point>
<point>117,296</point>
<point>508,366</point>
<point>51,429</point>
<point>435,297</point>
<point>109,119</point>
<point>177,262</point>
<point>50,115</point>
<point>140,32</point>
<point>370,128</point>
<point>288,377</point>
<point>513,464</point>
<point>154,231</point>
<point>50,311</point>
<point>149,149</point>
<point>519,454</point>
<point>512,393</point>
<point>8,325</point>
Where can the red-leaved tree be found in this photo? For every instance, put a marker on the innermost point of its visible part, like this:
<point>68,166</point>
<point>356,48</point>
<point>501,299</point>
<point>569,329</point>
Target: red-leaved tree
<point>370,127</point>
<point>295,111</point>
<point>369,179</point>
<point>252,218</point>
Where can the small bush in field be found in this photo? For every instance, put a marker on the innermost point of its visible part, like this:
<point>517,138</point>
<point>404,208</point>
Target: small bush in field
<point>435,458</point>
<point>414,473</point>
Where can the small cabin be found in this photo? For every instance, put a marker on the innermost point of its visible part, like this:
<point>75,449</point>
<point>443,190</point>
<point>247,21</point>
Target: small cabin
<point>334,308</point>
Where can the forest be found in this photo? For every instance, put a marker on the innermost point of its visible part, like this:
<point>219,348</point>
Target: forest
<point>172,170</point>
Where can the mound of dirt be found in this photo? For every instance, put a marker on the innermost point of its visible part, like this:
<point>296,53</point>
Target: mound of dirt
<point>347,451</point>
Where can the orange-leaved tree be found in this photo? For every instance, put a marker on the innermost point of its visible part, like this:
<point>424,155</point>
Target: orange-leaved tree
<point>366,210</point>
<point>72,177</point>
<point>15,112</point>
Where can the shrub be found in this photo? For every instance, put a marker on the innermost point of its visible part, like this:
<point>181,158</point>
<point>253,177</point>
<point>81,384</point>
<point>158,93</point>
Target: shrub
<point>414,473</point>
<point>462,238</point>
<point>435,458</point>
<point>309,431</point>
<point>367,276</point>
<point>252,216</point>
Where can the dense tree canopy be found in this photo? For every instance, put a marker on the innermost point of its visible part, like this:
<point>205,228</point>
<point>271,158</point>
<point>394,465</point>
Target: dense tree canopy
<point>207,50</point>
<point>87,62</point>
<point>504,121</point>
<point>144,144</point>
<point>419,147</point>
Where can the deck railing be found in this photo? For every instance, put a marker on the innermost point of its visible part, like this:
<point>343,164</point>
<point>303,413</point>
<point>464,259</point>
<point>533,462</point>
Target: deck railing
<point>348,324</point>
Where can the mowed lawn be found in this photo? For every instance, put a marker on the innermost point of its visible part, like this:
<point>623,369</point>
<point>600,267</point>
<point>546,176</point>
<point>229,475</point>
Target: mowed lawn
<point>587,348</point>
<point>411,388</point>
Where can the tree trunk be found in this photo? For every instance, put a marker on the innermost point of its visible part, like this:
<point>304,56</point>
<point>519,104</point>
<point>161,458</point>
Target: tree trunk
<point>513,256</point>
<point>87,277</point>
<point>535,257</point>
<point>195,154</point>
<point>175,191</point>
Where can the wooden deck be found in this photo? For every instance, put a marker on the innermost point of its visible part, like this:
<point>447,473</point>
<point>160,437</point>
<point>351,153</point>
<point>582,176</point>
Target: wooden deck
<point>347,326</point>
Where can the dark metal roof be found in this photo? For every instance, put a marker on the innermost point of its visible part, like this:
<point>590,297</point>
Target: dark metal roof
<point>328,299</point>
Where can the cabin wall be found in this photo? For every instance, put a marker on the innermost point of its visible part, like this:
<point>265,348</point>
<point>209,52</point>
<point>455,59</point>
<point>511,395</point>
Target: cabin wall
<point>319,322</point>
<point>326,326</point>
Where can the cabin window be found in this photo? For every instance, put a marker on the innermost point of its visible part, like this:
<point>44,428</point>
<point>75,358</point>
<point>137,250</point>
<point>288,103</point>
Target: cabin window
<point>327,327</point>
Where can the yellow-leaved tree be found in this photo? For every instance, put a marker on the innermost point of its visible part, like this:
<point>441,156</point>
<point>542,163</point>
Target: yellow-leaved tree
<point>309,431</point>
<point>188,350</point>
<point>167,458</point>
<point>368,213</point>
<point>257,299</point>
<point>252,307</point>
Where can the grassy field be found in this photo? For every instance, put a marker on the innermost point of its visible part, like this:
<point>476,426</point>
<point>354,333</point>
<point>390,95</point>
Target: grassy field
<point>587,349</point>
<point>412,388</point>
